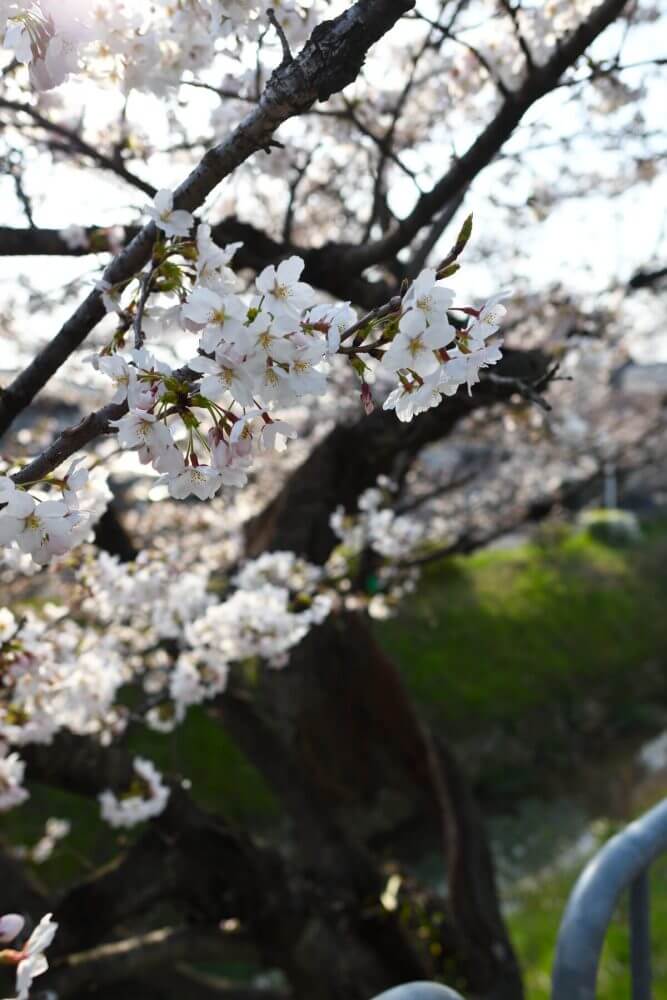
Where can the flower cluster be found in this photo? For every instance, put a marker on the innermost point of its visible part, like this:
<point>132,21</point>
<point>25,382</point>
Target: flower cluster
<point>55,830</point>
<point>377,526</point>
<point>277,599</point>
<point>376,546</point>
<point>12,770</point>
<point>153,624</point>
<point>30,960</point>
<point>146,797</point>
<point>201,425</point>
<point>431,358</point>
<point>43,528</point>
<point>149,46</point>
<point>56,674</point>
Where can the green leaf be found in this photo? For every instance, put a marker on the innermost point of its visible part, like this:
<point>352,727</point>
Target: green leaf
<point>464,235</point>
<point>447,271</point>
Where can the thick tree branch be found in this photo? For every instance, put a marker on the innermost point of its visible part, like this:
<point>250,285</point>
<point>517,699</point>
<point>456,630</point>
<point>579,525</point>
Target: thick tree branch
<point>350,459</point>
<point>329,61</point>
<point>648,279</point>
<point>310,915</point>
<point>259,250</point>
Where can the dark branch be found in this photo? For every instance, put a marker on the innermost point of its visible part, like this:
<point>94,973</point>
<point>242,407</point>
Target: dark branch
<point>350,459</point>
<point>79,145</point>
<point>648,279</point>
<point>463,171</point>
<point>258,251</point>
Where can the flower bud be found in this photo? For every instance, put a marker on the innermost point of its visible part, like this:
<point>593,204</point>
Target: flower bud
<point>11,925</point>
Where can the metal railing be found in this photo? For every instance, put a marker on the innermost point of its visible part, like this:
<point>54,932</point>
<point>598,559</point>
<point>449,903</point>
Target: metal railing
<point>420,991</point>
<point>621,864</point>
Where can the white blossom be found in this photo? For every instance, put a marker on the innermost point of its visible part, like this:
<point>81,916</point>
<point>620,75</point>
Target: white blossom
<point>172,221</point>
<point>137,806</point>
<point>283,293</point>
<point>414,345</point>
<point>11,925</point>
<point>12,770</point>
<point>201,481</point>
<point>33,962</point>
<point>143,431</point>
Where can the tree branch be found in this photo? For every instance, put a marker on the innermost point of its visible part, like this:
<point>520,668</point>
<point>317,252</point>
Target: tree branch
<point>350,459</point>
<point>539,82</point>
<point>258,251</point>
<point>330,60</point>
<point>117,960</point>
<point>79,145</point>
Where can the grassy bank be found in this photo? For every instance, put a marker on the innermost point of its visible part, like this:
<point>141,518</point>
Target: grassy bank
<point>527,656</point>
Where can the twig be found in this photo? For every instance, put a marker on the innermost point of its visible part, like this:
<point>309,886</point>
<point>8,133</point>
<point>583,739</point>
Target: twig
<point>146,282</point>
<point>530,390</point>
<point>520,37</point>
<point>78,144</point>
<point>287,52</point>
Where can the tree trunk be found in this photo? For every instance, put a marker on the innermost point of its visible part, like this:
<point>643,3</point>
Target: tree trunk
<point>341,711</point>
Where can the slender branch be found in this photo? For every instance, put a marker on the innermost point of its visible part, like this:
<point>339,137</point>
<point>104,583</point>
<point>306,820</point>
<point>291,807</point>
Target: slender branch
<point>300,173</point>
<point>530,390</point>
<point>146,283</point>
<point>438,491</point>
<point>78,144</point>
<point>116,960</point>
<point>282,37</point>
<point>70,441</point>
<point>540,81</point>
<point>647,279</point>
<point>513,12</point>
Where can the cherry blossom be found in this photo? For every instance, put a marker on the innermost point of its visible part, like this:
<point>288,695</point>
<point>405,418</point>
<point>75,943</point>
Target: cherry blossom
<point>30,960</point>
<point>142,430</point>
<point>431,300</point>
<point>39,528</point>
<point>411,398</point>
<point>118,370</point>
<point>413,348</point>
<point>149,798</point>
<point>11,925</point>
<point>172,222</point>
<point>34,961</point>
<point>225,314</point>
<point>283,293</point>
<point>226,377</point>
<point>201,481</point>
<point>12,770</point>
<point>489,317</point>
